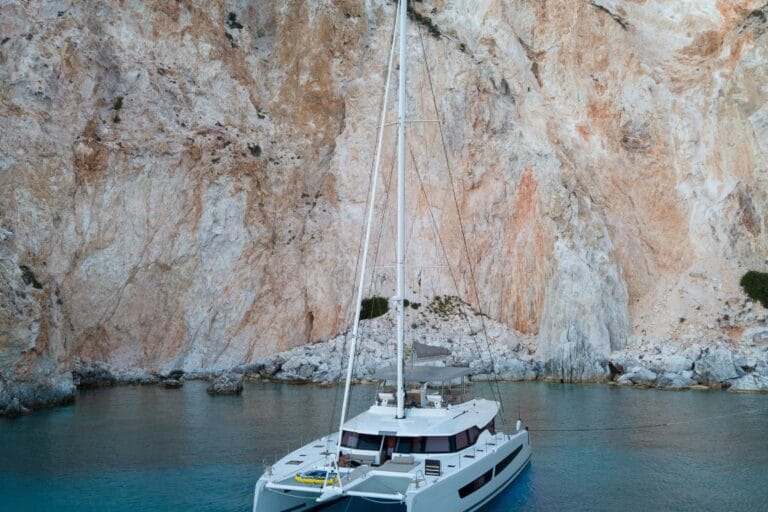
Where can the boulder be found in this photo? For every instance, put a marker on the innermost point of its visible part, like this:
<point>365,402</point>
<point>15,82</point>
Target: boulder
<point>300,367</point>
<point>620,362</point>
<point>175,374</point>
<point>715,366</point>
<point>172,383</point>
<point>229,383</point>
<point>271,366</point>
<point>14,408</point>
<point>639,376</point>
<point>693,352</point>
<point>674,381</point>
<point>137,377</point>
<point>673,363</point>
<point>515,369</point>
<point>749,383</point>
<point>93,375</point>
<point>755,335</point>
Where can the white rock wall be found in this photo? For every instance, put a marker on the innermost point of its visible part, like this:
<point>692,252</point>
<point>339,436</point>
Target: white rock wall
<point>607,155</point>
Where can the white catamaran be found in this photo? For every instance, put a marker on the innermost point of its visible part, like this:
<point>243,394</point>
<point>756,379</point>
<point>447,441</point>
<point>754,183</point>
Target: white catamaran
<point>424,445</point>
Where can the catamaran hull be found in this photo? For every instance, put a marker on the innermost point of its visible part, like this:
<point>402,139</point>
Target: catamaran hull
<point>443,495</point>
<point>269,500</point>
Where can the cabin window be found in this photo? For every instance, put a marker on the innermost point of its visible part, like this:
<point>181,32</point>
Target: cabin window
<point>462,440</point>
<point>410,445</point>
<point>501,466</point>
<point>438,444</point>
<point>404,445</point>
<point>476,484</point>
<point>349,439</point>
<point>360,441</point>
<point>491,427</point>
<point>473,433</point>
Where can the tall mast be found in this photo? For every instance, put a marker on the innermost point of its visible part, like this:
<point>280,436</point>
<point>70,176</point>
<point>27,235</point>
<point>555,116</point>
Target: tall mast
<point>401,213</point>
<point>367,239</point>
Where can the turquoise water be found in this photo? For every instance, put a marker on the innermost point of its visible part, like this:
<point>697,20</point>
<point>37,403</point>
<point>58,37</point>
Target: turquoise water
<point>151,449</point>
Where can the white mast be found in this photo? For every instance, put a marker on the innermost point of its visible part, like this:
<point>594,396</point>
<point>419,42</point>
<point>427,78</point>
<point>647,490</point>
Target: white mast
<point>401,213</point>
<point>366,243</point>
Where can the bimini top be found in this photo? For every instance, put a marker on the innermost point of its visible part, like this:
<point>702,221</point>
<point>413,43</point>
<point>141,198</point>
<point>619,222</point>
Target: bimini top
<point>424,373</point>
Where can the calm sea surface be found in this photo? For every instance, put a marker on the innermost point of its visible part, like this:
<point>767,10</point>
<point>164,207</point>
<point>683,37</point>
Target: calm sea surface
<point>151,449</point>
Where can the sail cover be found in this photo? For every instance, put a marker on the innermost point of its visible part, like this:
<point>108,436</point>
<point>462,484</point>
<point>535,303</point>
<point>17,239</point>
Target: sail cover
<point>424,373</point>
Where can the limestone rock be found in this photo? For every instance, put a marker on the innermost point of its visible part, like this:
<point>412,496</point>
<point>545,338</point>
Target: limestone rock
<point>172,383</point>
<point>670,363</point>
<point>30,337</point>
<point>179,193</point>
<point>715,366</point>
<point>755,335</point>
<point>229,383</point>
<point>674,381</point>
<point>749,383</point>
<point>622,362</point>
<point>14,408</point>
<point>514,369</point>
<point>639,376</point>
<point>94,375</point>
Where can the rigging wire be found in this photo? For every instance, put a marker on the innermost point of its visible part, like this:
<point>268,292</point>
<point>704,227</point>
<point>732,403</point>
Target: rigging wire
<point>377,246</point>
<point>447,260</point>
<point>461,225</point>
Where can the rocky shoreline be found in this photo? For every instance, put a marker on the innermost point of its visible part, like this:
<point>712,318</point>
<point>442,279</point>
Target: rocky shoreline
<point>733,366</point>
<point>452,337</point>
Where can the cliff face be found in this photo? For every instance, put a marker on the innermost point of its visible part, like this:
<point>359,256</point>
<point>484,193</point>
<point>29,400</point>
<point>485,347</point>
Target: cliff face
<point>186,181</point>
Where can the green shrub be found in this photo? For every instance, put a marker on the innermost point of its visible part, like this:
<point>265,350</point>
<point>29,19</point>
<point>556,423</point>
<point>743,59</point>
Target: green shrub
<point>117,105</point>
<point>373,307</point>
<point>755,285</point>
<point>426,21</point>
<point>29,277</point>
<point>445,306</point>
<point>232,22</point>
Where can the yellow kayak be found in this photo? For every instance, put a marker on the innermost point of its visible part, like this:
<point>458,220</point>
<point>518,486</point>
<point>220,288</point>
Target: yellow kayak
<point>317,477</point>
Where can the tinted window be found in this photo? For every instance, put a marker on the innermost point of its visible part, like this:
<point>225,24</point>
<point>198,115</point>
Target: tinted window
<point>491,427</point>
<point>476,484</point>
<point>501,466</point>
<point>404,445</point>
<point>349,439</point>
<point>368,442</point>
<point>462,440</point>
<point>473,433</point>
<point>360,441</point>
<point>410,445</point>
<point>435,444</point>
<point>438,444</point>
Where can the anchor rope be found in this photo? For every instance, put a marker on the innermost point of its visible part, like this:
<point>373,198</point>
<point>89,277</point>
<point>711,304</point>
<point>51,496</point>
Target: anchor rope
<point>645,426</point>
